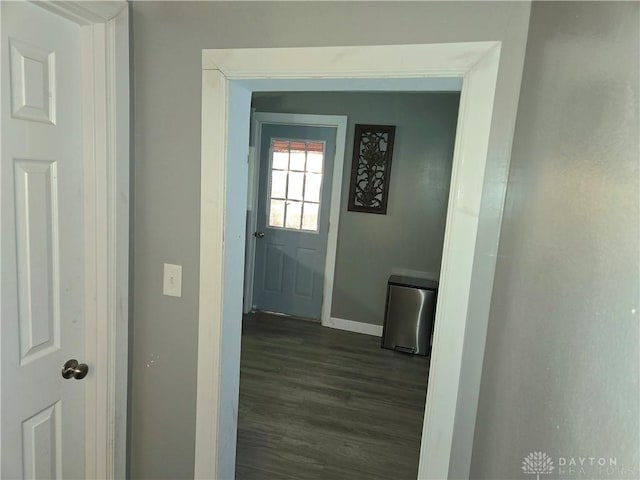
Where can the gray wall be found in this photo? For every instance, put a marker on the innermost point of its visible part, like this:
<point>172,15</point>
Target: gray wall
<point>167,40</point>
<point>410,236</point>
<point>561,366</point>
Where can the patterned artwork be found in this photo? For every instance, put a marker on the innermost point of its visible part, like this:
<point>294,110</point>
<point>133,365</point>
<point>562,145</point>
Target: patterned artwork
<point>371,168</point>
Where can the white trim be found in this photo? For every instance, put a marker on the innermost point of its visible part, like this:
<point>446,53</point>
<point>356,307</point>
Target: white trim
<point>398,61</point>
<point>465,198</point>
<point>340,124</point>
<point>212,206</point>
<point>352,326</point>
<point>85,12</point>
<point>105,99</point>
<point>246,68</point>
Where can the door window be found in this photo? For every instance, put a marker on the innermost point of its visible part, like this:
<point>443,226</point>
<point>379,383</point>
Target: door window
<point>295,184</point>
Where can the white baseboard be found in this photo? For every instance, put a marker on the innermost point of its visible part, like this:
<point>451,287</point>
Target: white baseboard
<point>351,326</point>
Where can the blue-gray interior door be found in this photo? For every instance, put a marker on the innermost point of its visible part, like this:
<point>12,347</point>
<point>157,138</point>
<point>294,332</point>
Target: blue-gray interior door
<point>296,166</point>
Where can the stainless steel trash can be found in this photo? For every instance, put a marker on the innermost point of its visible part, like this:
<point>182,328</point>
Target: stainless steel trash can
<point>409,314</point>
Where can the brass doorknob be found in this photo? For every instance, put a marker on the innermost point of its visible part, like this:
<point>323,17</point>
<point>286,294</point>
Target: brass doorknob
<point>74,369</point>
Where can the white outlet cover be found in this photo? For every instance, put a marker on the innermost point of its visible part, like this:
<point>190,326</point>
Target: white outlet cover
<point>172,280</point>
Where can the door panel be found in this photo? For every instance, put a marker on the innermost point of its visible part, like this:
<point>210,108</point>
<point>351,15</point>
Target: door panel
<point>41,444</point>
<point>296,166</point>
<point>304,277</point>
<point>43,262</point>
<point>38,274</point>
<point>274,268</point>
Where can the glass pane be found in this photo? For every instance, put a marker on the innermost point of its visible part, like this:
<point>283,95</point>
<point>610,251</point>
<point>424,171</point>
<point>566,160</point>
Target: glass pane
<point>295,185</point>
<point>315,158</point>
<point>298,154</point>
<point>312,187</point>
<point>280,160</point>
<point>278,184</point>
<point>276,213</point>
<point>310,217</point>
<point>294,214</point>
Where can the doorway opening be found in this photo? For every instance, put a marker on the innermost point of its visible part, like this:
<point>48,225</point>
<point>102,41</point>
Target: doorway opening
<point>331,390</point>
<point>229,78</point>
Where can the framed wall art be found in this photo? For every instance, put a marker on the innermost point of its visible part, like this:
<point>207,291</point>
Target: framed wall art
<point>371,168</point>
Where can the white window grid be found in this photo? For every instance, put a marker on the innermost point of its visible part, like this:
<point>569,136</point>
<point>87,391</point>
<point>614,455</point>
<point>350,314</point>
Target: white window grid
<point>286,189</point>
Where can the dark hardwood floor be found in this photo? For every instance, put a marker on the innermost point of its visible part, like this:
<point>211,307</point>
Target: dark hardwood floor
<point>318,403</point>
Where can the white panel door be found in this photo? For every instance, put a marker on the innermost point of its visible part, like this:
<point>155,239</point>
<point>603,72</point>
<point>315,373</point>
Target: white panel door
<point>43,263</point>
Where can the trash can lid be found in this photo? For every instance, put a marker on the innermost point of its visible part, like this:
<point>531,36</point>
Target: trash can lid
<point>415,282</point>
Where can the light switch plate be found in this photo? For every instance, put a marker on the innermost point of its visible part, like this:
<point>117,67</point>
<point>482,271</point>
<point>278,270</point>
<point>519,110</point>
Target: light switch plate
<point>172,283</point>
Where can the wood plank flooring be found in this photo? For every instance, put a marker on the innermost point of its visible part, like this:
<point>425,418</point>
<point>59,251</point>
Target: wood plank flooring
<point>318,403</point>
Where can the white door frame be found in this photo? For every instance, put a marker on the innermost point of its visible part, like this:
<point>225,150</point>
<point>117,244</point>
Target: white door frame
<point>104,30</point>
<point>340,123</point>
<point>228,78</point>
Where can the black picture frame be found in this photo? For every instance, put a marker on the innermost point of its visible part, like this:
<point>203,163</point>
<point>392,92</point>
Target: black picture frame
<point>371,168</point>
